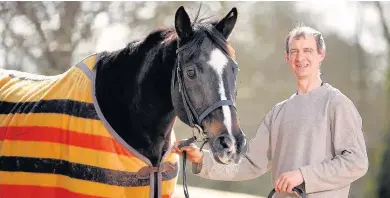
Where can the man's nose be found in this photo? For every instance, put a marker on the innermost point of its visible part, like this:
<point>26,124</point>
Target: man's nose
<point>300,56</point>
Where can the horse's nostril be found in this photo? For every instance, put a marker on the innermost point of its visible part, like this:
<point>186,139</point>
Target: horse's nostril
<point>223,141</point>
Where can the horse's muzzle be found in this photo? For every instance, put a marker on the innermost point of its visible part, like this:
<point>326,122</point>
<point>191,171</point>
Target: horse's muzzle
<point>228,148</point>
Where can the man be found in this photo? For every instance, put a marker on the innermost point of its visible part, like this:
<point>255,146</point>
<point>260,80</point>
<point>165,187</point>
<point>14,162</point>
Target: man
<point>313,140</point>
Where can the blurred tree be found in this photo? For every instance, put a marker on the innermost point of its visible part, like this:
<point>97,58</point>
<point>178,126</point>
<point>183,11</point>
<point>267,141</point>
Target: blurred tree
<point>47,36</point>
<point>362,88</point>
<point>384,175</point>
<point>44,34</point>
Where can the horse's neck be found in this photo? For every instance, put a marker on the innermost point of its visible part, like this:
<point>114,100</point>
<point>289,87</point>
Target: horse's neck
<point>139,108</point>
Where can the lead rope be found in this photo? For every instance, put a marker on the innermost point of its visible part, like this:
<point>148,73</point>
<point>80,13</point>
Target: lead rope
<point>187,143</point>
<point>185,188</point>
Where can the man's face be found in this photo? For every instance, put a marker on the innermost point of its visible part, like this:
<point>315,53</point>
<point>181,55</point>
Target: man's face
<point>303,57</point>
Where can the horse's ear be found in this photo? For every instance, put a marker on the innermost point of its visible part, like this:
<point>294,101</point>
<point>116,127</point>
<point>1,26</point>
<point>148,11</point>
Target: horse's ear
<point>226,25</point>
<point>183,23</point>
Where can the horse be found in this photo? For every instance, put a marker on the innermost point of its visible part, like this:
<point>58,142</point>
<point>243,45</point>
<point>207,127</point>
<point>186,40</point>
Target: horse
<point>104,127</point>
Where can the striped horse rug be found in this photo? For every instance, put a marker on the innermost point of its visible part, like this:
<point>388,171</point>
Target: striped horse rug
<point>55,142</point>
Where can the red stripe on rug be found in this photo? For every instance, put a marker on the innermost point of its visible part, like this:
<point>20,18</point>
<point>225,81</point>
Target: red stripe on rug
<point>57,135</point>
<point>15,191</point>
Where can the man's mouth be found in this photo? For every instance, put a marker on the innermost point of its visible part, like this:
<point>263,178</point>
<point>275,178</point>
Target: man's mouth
<point>302,65</point>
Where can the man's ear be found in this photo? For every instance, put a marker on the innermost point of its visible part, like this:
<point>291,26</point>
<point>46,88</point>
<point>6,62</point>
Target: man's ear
<point>183,23</point>
<point>226,25</point>
<point>322,54</point>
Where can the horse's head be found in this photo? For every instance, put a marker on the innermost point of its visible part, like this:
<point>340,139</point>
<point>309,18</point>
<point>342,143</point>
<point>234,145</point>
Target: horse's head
<point>204,91</point>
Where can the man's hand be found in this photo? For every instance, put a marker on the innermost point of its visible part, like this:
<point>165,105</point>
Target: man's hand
<point>193,152</point>
<point>287,181</point>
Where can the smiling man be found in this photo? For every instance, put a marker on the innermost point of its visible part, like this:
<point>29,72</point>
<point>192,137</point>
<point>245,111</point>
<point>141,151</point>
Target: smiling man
<point>313,140</point>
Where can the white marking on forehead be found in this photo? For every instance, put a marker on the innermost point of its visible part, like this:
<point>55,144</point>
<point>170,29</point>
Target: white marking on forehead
<point>218,62</point>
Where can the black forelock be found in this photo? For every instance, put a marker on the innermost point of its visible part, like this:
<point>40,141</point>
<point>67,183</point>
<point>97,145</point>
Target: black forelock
<point>165,35</point>
<point>202,31</point>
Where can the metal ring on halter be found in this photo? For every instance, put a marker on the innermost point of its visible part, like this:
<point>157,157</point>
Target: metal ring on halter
<point>200,135</point>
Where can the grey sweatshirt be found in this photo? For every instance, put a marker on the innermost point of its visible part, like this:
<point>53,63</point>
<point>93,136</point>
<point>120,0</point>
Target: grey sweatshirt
<point>319,133</point>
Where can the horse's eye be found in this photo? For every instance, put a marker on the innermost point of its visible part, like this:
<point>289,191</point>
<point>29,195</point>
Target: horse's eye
<point>191,73</point>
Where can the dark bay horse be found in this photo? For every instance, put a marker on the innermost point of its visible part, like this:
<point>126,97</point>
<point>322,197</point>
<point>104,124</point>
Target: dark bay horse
<point>76,134</point>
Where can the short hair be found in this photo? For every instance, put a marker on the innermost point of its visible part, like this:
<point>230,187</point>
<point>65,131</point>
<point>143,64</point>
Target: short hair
<point>302,30</point>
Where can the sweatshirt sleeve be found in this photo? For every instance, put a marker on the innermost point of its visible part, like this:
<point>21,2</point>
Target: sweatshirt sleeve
<point>350,161</point>
<point>258,153</point>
